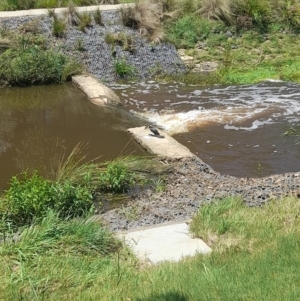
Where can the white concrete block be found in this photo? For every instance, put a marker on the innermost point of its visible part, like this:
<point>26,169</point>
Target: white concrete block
<point>164,243</point>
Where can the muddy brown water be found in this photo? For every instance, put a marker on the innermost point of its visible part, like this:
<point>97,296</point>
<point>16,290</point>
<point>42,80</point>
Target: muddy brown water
<point>40,124</point>
<point>237,130</point>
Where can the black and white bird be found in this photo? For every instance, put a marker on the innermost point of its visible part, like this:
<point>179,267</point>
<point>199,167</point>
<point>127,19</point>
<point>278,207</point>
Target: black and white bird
<point>154,130</point>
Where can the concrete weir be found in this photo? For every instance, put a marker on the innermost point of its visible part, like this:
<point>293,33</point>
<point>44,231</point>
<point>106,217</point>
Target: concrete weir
<point>166,147</point>
<point>96,92</point>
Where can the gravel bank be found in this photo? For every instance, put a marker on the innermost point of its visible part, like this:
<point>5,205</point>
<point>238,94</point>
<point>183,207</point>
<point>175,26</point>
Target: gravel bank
<point>191,184</point>
<point>98,57</point>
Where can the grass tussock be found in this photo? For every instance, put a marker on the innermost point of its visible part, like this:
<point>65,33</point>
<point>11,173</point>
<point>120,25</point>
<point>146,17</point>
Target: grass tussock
<point>146,16</point>
<point>217,10</point>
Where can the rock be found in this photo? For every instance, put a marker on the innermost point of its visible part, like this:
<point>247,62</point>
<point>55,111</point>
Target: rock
<point>205,67</point>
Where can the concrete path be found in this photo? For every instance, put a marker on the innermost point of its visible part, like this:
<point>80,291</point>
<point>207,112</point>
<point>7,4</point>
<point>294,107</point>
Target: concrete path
<point>166,147</point>
<point>44,11</point>
<point>170,242</point>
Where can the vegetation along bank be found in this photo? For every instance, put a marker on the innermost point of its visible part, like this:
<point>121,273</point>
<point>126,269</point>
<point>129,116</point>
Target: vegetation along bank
<point>241,41</point>
<point>47,255</point>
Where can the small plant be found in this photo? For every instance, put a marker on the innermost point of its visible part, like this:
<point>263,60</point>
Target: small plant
<point>123,69</point>
<point>85,20</point>
<point>32,26</point>
<point>129,212</point>
<point>27,198</point>
<point>116,178</point>
<point>79,45</point>
<point>71,67</point>
<point>98,17</point>
<point>51,13</point>
<point>121,39</point>
<point>159,184</point>
<point>110,38</point>
<point>59,27</point>
<point>259,169</point>
<point>293,131</point>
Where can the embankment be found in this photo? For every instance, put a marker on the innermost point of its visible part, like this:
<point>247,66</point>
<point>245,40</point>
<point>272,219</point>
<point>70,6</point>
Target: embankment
<point>90,47</point>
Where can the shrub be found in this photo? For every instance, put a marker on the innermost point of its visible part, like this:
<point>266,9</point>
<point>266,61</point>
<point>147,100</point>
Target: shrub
<point>28,40</point>
<point>34,66</point>
<point>186,31</point>
<point>116,178</point>
<point>70,199</point>
<point>258,10</point>
<point>290,13</point>
<point>29,197</point>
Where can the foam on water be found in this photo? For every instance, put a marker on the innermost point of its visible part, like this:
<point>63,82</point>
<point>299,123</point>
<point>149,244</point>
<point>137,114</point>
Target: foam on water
<point>180,109</point>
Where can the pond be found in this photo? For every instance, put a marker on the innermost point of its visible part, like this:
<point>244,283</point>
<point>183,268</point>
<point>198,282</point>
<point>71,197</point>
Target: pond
<point>41,124</point>
<point>237,130</point>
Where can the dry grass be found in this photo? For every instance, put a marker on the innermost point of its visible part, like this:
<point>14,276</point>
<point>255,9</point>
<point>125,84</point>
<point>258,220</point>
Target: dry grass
<point>74,168</point>
<point>147,16</point>
<point>72,15</point>
<point>217,10</point>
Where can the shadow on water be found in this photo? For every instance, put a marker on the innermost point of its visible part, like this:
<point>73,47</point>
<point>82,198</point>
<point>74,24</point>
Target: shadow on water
<point>40,124</point>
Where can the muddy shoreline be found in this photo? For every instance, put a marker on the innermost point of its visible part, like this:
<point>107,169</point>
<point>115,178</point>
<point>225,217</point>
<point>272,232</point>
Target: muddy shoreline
<point>191,184</point>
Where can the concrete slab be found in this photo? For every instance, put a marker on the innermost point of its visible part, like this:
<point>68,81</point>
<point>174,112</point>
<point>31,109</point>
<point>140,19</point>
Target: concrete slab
<point>43,11</point>
<point>164,147</point>
<point>97,92</point>
<point>164,243</point>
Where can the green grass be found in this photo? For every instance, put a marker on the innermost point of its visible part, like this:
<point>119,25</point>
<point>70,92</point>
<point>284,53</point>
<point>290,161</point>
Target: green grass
<point>255,257</point>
